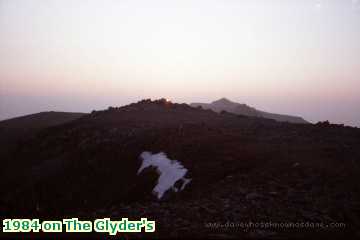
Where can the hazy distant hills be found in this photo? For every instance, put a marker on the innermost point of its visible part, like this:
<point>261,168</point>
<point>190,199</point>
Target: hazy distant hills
<point>40,120</point>
<point>224,104</point>
<point>15,127</point>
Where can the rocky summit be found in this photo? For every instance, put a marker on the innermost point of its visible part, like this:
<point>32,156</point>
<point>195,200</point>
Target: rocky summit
<point>196,172</point>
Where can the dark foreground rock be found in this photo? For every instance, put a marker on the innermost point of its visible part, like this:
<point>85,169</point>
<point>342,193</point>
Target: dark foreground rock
<point>251,177</point>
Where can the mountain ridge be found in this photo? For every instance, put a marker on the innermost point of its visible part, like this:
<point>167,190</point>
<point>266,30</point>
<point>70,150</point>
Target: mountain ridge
<point>224,104</point>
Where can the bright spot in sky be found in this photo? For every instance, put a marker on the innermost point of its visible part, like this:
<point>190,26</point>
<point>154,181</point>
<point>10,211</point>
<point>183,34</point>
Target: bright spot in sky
<point>319,3</point>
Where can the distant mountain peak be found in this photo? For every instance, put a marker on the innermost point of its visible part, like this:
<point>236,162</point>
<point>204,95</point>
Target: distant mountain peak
<point>222,100</point>
<point>224,104</point>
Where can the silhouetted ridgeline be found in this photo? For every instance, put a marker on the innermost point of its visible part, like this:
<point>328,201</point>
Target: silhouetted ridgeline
<point>224,104</point>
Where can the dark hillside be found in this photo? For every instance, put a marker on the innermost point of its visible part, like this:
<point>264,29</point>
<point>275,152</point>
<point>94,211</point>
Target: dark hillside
<point>15,130</point>
<point>241,169</point>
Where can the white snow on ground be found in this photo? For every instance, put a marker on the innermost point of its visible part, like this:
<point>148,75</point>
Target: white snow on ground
<point>170,172</point>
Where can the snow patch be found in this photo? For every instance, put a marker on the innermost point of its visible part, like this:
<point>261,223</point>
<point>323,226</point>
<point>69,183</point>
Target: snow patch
<point>170,172</point>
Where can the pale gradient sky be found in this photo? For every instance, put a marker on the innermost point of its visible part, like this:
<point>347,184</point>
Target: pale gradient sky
<point>299,57</point>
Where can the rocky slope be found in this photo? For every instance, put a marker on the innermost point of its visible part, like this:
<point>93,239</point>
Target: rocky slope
<point>242,169</point>
<point>224,104</point>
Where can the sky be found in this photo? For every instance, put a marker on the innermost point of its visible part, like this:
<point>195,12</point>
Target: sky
<point>298,57</point>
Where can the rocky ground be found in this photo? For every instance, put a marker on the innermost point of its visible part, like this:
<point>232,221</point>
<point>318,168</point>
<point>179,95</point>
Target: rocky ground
<point>243,169</point>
